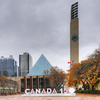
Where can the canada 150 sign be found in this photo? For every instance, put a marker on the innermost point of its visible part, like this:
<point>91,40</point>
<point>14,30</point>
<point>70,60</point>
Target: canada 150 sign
<point>50,92</point>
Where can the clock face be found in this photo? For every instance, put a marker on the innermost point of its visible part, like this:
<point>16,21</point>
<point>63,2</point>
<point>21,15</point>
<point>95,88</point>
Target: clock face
<point>74,37</point>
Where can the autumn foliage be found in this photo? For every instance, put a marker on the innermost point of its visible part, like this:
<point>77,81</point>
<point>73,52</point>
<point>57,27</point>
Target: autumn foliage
<point>73,75</point>
<point>87,72</point>
<point>3,81</point>
<point>56,77</point>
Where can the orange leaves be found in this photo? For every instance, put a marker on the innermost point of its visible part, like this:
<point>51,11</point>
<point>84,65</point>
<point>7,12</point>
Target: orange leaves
<point>73,74</point>
<point>98,78</point>
<point>3,81</point>
<point>88,71</point>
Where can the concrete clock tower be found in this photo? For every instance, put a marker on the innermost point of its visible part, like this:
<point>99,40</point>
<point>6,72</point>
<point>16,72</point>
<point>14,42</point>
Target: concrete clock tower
<point>74,33</point>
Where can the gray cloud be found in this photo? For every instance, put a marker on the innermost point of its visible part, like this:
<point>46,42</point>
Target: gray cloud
<point>43,27</point>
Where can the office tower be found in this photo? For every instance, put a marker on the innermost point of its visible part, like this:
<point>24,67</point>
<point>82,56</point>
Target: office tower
<point>25,64</point>
<point>74,33</point>
<point>8,66</point>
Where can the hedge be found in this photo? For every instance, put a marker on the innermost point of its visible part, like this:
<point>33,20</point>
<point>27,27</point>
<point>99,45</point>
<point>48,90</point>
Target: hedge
<point>89,91</point>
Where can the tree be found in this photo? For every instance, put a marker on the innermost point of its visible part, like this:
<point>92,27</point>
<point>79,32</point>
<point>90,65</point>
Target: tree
<point>3,81</point>
<point>56,77</point>
<point>94,71</point>
<point>10,84</point>
<point>14,86</point>
<point>73,75</point>
<point>92,74</point>
<point>87,72</point>
<point>17,85</point>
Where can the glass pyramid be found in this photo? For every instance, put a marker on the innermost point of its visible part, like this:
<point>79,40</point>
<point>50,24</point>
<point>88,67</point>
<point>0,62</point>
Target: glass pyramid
<point>39,67</point>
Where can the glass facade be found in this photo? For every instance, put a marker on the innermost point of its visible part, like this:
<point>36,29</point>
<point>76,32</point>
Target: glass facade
<point>8,66</point>
<point>40,66</point>
<point>31,83</point>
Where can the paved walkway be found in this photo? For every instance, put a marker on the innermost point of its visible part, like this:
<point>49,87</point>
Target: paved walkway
<point>77,97</point>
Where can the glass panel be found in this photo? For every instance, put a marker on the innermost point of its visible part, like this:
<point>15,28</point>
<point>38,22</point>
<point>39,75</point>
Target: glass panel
<point>47,83</point>
<point>41,83</point>
<point>34,83</point>
<point>22,85</point>
<point>28,83</point>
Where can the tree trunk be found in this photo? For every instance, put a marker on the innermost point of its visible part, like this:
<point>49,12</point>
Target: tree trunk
<point>84,86</point>
<point>3,90</point>
<point>92,87</point>
<point>88,87</point>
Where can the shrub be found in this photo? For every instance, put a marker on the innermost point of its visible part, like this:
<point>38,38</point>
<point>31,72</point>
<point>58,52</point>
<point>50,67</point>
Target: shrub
<point>79,91</point>
<point>80,88</point>
<point>58,91</point>
<point>89,91</point>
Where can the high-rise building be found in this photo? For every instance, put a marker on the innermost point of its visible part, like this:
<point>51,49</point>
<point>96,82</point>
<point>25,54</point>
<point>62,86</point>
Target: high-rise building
<point>8,66</point>
<point>25,64</point>
<point>74,33</point>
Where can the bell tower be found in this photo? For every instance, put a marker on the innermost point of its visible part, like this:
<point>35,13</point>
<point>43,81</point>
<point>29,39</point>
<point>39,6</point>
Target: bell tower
<point>74,33</point>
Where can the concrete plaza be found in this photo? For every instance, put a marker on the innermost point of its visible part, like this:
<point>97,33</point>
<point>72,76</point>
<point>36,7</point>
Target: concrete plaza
<point>77,97</point>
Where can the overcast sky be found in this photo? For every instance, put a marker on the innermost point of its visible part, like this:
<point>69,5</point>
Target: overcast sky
<point>43,27</point>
